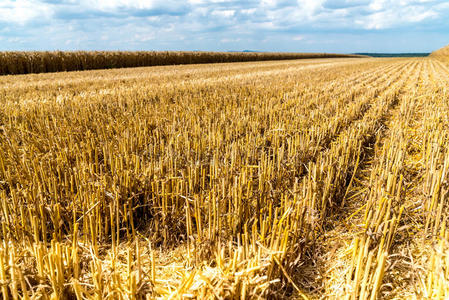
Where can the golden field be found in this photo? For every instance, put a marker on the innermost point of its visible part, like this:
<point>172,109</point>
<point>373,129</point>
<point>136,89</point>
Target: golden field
<point>442,54</point>
<point>309,179</point>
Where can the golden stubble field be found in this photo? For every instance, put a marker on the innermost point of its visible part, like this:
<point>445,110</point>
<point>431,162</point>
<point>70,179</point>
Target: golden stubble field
<point>323,178</point>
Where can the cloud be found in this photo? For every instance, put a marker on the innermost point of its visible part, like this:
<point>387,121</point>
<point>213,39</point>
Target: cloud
<point>23,11</point>
<point>299,38</point>
<point>211,24</point>
<point>137,7</point>
<point>339,4</point>
<point>223,13</point>
<point>386,15</point>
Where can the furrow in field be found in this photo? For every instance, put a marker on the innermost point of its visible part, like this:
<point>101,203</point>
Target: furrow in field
<point>442,66</point>
<point>423,219</point>
<point>418,268</point>
<point>354,86</point>
<point>346,113</point>
<point>364,154</point>
<point>343,115</point>
<point>356,260</point>
<point>323,188</point>
<point>347,93</point>
<point>431,256</point>
<point>327,129</point>
<point>316,138</point>
<point>270,186</point>
<point>363,77</point>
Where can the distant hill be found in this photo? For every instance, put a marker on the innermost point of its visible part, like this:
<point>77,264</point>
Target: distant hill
<point>441,52</point>
<point>394,54</point>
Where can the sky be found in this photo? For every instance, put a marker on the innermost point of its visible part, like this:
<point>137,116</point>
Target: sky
<point>339,26</point>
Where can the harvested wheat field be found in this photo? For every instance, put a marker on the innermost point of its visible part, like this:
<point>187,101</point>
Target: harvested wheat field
<point>294,179</point>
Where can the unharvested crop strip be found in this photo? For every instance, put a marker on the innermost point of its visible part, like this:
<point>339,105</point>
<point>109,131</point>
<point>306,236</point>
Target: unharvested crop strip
<point>330,191</point>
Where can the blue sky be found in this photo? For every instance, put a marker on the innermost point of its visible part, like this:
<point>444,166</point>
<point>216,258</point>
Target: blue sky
<point>344,26</point>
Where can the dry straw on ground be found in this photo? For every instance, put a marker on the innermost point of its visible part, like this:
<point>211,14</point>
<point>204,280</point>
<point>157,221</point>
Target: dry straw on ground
<point>276,179</point>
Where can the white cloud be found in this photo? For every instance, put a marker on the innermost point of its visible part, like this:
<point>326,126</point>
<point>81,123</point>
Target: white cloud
<point>338,4</point>
<point>230,40</point>
<point>223,13</point>
<point>23,11</point>
<point>199,24</point>
<point>249,11</point>
<point>377,5</point>
<point>388,15</point>
<point>144,37</point>
<point>116,4</point>
<point>310,6</point>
